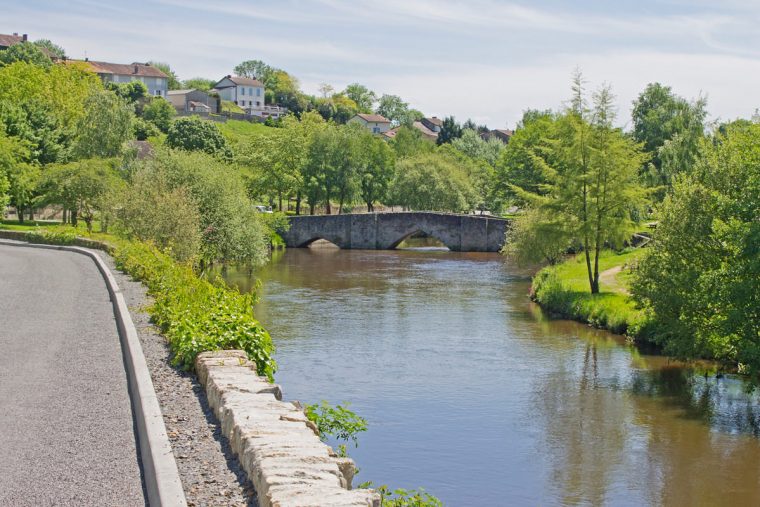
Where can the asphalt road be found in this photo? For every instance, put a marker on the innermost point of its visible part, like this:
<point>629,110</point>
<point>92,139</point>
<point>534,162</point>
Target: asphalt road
<point>66,426</point>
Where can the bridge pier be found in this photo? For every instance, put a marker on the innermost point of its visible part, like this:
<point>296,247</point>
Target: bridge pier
<point>384,231</point>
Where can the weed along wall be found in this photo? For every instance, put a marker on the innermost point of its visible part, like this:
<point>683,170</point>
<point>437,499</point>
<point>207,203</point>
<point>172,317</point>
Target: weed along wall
<point>276,444</point>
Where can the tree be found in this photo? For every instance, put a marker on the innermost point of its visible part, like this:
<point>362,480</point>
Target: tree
<point>376,168</point>
<point>701,277</point>
<point>105,127</point>
<point>592,189</point>
<point>670,128</point>
<point>82,187</point>
<point>432,182</point>
<point>524,159</point>
<point>471,144</point>
<point>450,130</point>
<point>160,113</point>
<point>256,69</point>
<point>393,108</point>
<point>198,83</point>
<point>153,210</point>
<point>231,230</point>
<point>53,49</point>
<point>23,179</point>
<point>25,52</point>
<point>408,142</point>
<point>173,82</point>
<point>42,107</point>
<point>363,97</point>
<point>332,169</point>
<point>194,134</point>
<point>130,92</point>
<point>12,154</point>
<point>142,129</point>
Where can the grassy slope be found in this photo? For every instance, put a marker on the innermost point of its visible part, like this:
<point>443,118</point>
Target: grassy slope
<point>564,290</point>
<point>237,131</point>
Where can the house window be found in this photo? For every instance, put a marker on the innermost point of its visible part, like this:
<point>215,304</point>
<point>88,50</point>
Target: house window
<point>375,130</point>
<point>250,91</point>
<point>258,92</point>
<point>242,91</point>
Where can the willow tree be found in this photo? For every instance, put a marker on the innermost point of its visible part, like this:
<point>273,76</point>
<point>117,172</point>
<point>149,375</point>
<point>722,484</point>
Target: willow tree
<point>592,195</point>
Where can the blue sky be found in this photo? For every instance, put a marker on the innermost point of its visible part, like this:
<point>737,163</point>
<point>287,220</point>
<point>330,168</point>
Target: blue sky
<point>482,59</point>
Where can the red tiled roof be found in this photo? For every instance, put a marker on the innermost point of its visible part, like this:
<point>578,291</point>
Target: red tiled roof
<point>9,40</point>
<point>134,69</point>
<point>435,121</point>
<point>242,81</point>
<point>373,118</point>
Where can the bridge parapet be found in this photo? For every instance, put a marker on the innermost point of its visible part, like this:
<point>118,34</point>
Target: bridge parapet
<point>384,231</point>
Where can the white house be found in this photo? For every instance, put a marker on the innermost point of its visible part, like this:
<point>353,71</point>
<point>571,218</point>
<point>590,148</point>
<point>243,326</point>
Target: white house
<point>375,123</point>
<point>245,92</point>
<point>156,81</point>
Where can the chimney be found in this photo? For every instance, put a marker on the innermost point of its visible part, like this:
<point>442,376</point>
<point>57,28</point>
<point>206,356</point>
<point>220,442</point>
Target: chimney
<point>25,37</point>
<point>86,58</point>
<point>15,34</point>
<point>136,69</point>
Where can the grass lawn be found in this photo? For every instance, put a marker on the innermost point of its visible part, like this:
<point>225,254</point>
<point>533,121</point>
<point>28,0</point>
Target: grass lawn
<point>564,290</point>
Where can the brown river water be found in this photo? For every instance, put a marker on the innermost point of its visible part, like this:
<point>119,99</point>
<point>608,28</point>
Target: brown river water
<point>472,393</point>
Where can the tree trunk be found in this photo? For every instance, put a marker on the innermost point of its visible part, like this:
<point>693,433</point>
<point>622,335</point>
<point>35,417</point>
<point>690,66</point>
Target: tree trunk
<point>20,214</point>
<point>73,218</point>
<point>65,218</point>
<point>279,197</point>
<point>298,203</point>
<point>31,213</point>
<point>311,208</point>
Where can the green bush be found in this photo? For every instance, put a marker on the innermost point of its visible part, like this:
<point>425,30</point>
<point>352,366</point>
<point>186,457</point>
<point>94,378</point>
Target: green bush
<point>195,315</point>
<point>51,237</point>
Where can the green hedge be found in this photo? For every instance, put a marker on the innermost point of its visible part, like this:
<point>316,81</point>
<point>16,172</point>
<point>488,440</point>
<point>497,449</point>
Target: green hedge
<point>195,315</point>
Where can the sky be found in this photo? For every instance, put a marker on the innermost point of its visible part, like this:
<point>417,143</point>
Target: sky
<point>488,60</point>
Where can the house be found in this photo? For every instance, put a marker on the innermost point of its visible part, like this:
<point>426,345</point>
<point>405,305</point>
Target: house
<point>502,135</point>
<point>426,132</point>
<point>192,101</point>
<point>156,81</point>
<point>433,124</point>
<point>7,41</point>
<point>245,92</point>
<point>248,94</point>
<point>375,123</point>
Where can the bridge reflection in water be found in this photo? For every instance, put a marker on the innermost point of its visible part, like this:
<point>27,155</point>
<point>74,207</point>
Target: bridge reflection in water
<point>385,231</point>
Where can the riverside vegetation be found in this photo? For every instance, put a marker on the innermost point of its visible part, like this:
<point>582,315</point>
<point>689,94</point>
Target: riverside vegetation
<point>587,186</point>
<point>185,201</point>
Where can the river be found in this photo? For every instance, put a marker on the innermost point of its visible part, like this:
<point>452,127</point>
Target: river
<point>472,393</point>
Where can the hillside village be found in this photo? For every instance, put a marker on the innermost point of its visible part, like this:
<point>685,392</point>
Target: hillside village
<point>241,97</point>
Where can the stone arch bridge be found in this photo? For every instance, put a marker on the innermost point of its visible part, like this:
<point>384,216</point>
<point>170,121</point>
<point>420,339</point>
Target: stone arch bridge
<point>384,231</point>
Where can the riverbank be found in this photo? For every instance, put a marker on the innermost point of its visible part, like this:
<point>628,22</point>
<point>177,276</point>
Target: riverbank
<point>563,291</point>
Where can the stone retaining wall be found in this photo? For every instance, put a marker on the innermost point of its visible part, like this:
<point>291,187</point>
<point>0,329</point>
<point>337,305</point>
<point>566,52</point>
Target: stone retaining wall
<point>276,444</point>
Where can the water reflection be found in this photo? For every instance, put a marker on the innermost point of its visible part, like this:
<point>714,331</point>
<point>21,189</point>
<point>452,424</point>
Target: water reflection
<point>471,392</point>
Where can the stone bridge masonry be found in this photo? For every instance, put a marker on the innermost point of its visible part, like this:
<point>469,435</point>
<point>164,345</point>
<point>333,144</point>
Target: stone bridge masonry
<point>384,231</point>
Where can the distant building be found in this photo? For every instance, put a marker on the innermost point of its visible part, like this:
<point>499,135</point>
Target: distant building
<point>433,124</point>
<point>7,41</point>
<point>192,101</point>
<point>375,123</point>
<point>502,135</point>
<point>156,81</point>
<point>426,132</point>
<point>248,94</point>
<point>245,92</point>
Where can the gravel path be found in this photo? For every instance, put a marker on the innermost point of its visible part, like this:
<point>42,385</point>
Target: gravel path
<point>66,427</point>
<point>211,475</point>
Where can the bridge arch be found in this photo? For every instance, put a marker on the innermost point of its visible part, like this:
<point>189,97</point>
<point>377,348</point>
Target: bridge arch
<point>309,242</point>
<point>396,243</point>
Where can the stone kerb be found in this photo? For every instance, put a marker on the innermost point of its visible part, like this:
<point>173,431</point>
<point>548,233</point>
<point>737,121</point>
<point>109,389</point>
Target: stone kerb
<point>278,447</point>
